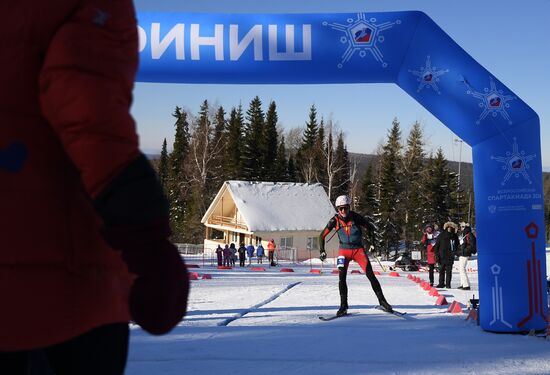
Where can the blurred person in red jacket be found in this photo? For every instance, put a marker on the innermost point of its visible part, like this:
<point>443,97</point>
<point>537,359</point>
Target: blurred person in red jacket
<point>429,238</point>
<point>84,245</point>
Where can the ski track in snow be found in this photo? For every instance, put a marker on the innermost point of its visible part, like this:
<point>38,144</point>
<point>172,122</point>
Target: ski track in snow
<point>249,323</point>
<point>255,307</point>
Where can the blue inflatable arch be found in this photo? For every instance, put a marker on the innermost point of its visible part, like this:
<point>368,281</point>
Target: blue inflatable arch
<point>409,49</point>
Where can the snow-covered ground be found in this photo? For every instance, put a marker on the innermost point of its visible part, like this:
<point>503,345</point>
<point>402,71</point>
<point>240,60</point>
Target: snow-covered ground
<point>245,322</point>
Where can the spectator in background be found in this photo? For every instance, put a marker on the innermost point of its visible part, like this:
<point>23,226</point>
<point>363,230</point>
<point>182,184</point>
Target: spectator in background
<point>271,252</point>
<point>250,253</point>
<point>226,256</point>
<point>260,253</point>
<point>219,255</point>
<point>428,240</point>
<point>445,250</point>
<point>70,156</point>
<point>242,255</point>
<point>466,249</point>
<point>233,254</point>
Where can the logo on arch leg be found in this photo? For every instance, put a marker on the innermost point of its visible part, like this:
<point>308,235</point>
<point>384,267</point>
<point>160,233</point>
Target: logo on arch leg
<point>515,163</point>
<point>363,36</point>
<point>493,101</point>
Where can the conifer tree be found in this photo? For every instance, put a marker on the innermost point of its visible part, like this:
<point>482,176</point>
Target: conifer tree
<point>234,145</point>
<point>253,151</point>
<point>291,170</point>
<point>329,161</point>
<point>281,165</point>
<point>320,161</point>
<point>270,143</point>
<point>390,223</point>
<point>368,204</point>
<point>342,176</point>
<point>181,142</point>
<point>412,180</point>
<point>306,157</point>
<point>457,201</point>
<point>163,168</point>
<point>310,133</point>
<point>218,147</point>
<point>177,186</point>
<point>437,189</point>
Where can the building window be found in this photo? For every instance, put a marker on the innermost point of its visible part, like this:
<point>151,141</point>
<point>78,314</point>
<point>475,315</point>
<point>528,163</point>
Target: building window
<point>216,234</point>
<point>234,237</point>
<point>286,242</point>
<point>313,243</point>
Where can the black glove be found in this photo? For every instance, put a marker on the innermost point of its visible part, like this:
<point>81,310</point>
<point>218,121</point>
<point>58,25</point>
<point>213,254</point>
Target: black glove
<point>135,218</point>
<point>323,255</point>
<point>158,298</point>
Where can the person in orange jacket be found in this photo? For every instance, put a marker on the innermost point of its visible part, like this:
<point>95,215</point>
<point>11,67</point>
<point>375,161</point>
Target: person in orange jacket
<point>271,252</point>
<point>72,175</point>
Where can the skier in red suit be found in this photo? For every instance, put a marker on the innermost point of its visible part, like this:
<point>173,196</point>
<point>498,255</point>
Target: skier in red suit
<point>348,225</point>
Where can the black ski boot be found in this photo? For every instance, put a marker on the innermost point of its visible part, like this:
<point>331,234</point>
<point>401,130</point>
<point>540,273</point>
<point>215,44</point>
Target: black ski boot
<point>386,306</point>
<point>343,310</point>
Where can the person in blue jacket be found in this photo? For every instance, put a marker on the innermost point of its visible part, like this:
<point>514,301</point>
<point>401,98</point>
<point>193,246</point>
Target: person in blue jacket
<point>250,253</point>
<point>260,253</point>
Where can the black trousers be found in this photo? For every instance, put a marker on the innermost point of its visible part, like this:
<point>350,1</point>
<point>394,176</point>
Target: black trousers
<point>431,273</point>
<point>445,274</point>
<point>343,286</point>
<point>103,350</point>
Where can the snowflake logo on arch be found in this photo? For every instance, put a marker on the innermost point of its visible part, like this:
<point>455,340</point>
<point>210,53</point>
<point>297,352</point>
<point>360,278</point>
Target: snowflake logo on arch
<point>493,101</point>
<point>362,35</point>
<point>428,76</point>
<point>515,163</point>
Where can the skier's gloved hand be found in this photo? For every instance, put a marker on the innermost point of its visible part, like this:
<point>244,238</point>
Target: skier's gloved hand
<point>158,298</point>
<point>323,253</point>
<point>135,217</point>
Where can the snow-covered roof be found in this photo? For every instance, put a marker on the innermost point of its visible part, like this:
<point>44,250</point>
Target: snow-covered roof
<point>280,206</point>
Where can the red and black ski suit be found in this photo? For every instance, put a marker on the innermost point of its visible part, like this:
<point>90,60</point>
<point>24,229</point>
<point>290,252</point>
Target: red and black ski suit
<point>351,248</point>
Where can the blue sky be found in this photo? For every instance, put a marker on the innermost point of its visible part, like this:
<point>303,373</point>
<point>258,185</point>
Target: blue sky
<point>509,38</point>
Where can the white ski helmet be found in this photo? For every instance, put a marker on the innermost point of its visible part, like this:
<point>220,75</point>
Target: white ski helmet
<point>343,200</point>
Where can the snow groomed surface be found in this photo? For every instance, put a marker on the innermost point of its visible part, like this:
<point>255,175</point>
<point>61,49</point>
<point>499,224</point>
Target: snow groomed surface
<point>285,335</point>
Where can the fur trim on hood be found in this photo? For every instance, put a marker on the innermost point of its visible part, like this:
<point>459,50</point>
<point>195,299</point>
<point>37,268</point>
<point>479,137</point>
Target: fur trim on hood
<point>450,224</point>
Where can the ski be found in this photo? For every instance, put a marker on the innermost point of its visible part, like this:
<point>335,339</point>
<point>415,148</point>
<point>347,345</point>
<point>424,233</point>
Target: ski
<point>329,318</point>
<point>540,334</point>
<point>394,312</point>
